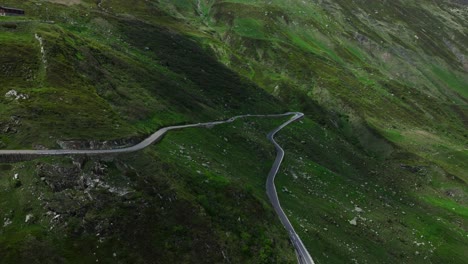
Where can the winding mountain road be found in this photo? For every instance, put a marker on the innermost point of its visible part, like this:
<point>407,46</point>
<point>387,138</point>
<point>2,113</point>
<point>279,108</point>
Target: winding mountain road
<point>303,255</point>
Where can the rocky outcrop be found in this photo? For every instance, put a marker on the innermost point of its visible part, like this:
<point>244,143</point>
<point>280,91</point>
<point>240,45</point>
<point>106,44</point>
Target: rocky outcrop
<point>96,144</point>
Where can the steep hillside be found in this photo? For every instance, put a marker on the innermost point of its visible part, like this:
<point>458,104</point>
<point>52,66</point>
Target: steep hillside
<point>375,173</point>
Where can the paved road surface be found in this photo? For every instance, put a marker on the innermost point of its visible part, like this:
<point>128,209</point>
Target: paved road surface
<point>156,136</point>
<point>303,255</point>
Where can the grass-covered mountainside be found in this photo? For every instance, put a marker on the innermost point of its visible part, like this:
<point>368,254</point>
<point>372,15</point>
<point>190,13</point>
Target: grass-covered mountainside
<point>377,172</point>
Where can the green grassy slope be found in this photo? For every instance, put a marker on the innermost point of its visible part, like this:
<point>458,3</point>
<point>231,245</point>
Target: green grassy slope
<point>375,173</point>
<point>99,81</point>
<point>116,85</point>
<point>165,204</point>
